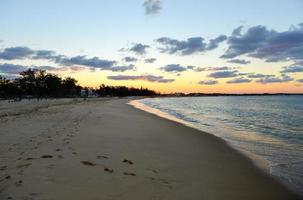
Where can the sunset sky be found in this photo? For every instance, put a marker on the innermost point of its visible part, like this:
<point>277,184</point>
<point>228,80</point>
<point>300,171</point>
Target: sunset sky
<point>166,45</point>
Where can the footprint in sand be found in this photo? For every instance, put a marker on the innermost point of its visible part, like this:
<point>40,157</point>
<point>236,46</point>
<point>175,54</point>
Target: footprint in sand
<point>128,161</point>
<point>24,165</point>
<point>19,183</point>
<point>88,163</point>
<point>105,157</point>
<point>108,170</point>
<point>46,156</point>
<point>129,174</point>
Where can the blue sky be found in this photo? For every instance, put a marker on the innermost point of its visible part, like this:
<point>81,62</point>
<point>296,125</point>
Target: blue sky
<point>102,27</point>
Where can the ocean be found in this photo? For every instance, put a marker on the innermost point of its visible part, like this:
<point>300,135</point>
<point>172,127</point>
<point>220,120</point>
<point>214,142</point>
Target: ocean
<point>269,128</point>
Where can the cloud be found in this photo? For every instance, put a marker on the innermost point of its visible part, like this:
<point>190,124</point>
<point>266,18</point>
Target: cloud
<point>219,68</point>
<point>300,80</point>
<point>239,80</point>
<point>45,54</point>
<point>139,49</point>
<point>284,78</point>
<point>123,68</point>
<point>149,78</point>
<point>259,76</point>
<point>53,69</point>
<point>214,43</point>
<point>208,82</point>
<point>190,46</point>
<point>150,60</point>
<point>130,59</point>
<point>152,6</point>
<point>13,53</point>
<point>270,45</point>
<point>10,69</point>
<point>14,70</point>
<point>173,68</point>
<point>177,68</point>
<point>292,69</point>
<point>224,74</point>
<point>89,62</point>
<point>239,61</point>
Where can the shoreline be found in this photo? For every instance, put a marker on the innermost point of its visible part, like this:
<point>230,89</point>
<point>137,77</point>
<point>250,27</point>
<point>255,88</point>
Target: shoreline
<point>258,161</point>
<point>107,149</point>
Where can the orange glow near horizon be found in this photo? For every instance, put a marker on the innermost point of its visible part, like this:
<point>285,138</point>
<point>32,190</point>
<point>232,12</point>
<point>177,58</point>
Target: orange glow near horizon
<point>189,85</point>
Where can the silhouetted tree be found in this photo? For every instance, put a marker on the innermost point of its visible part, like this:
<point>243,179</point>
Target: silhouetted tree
<point>38,83</point>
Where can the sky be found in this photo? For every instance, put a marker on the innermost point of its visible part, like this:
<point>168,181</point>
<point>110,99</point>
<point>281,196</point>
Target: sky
<point>167,45</point>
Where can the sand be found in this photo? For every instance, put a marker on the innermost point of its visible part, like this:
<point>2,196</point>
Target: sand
<point>106,149</point>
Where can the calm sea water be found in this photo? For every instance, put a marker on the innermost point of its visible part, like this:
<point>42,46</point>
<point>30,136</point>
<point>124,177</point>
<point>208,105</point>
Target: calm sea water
<point>269,127</point>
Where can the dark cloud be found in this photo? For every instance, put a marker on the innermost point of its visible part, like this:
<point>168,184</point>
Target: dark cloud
<point>130,59</point>
<point>150,60</point>
<point>152,6</point>
<point>224,74</point>
<point>284,78</point>
<point>150,78</point>
<point>239,61</point>
<point>9,69</point>
<point>139,49</point>
<point>208,82</point>
<point>300,80</point>
<point>13,53</point>
<point>292,69</point>
<point>239,80</point>
<point>188,47</point>
<point>270,45</point>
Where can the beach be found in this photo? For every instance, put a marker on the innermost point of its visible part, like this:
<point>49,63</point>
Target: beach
<point>104,148</point>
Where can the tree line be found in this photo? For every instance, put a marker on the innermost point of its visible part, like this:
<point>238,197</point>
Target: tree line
<point>34,83</point>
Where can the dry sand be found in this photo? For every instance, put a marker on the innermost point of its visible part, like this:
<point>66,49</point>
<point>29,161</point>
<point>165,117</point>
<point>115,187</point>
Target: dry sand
<point>105,149</point>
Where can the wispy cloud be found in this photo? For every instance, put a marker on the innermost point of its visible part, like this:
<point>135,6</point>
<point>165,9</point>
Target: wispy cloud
<point>177,68</point>
<point>239,61</point>
<point>284,78</point>
<point>149,78</point>
<point>150,60</point>
<point>19,53</point>
<point>137,48</point>
<point>7,68</point>
<point>152,6</point>
<point>239,80</point>
<point>130,59</point>
<point>292,69</point>
<point>224,74</point>
<point>208,82</point>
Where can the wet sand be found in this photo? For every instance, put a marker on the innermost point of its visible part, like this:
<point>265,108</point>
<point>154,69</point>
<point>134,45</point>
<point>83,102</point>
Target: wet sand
<point>106,149</point>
